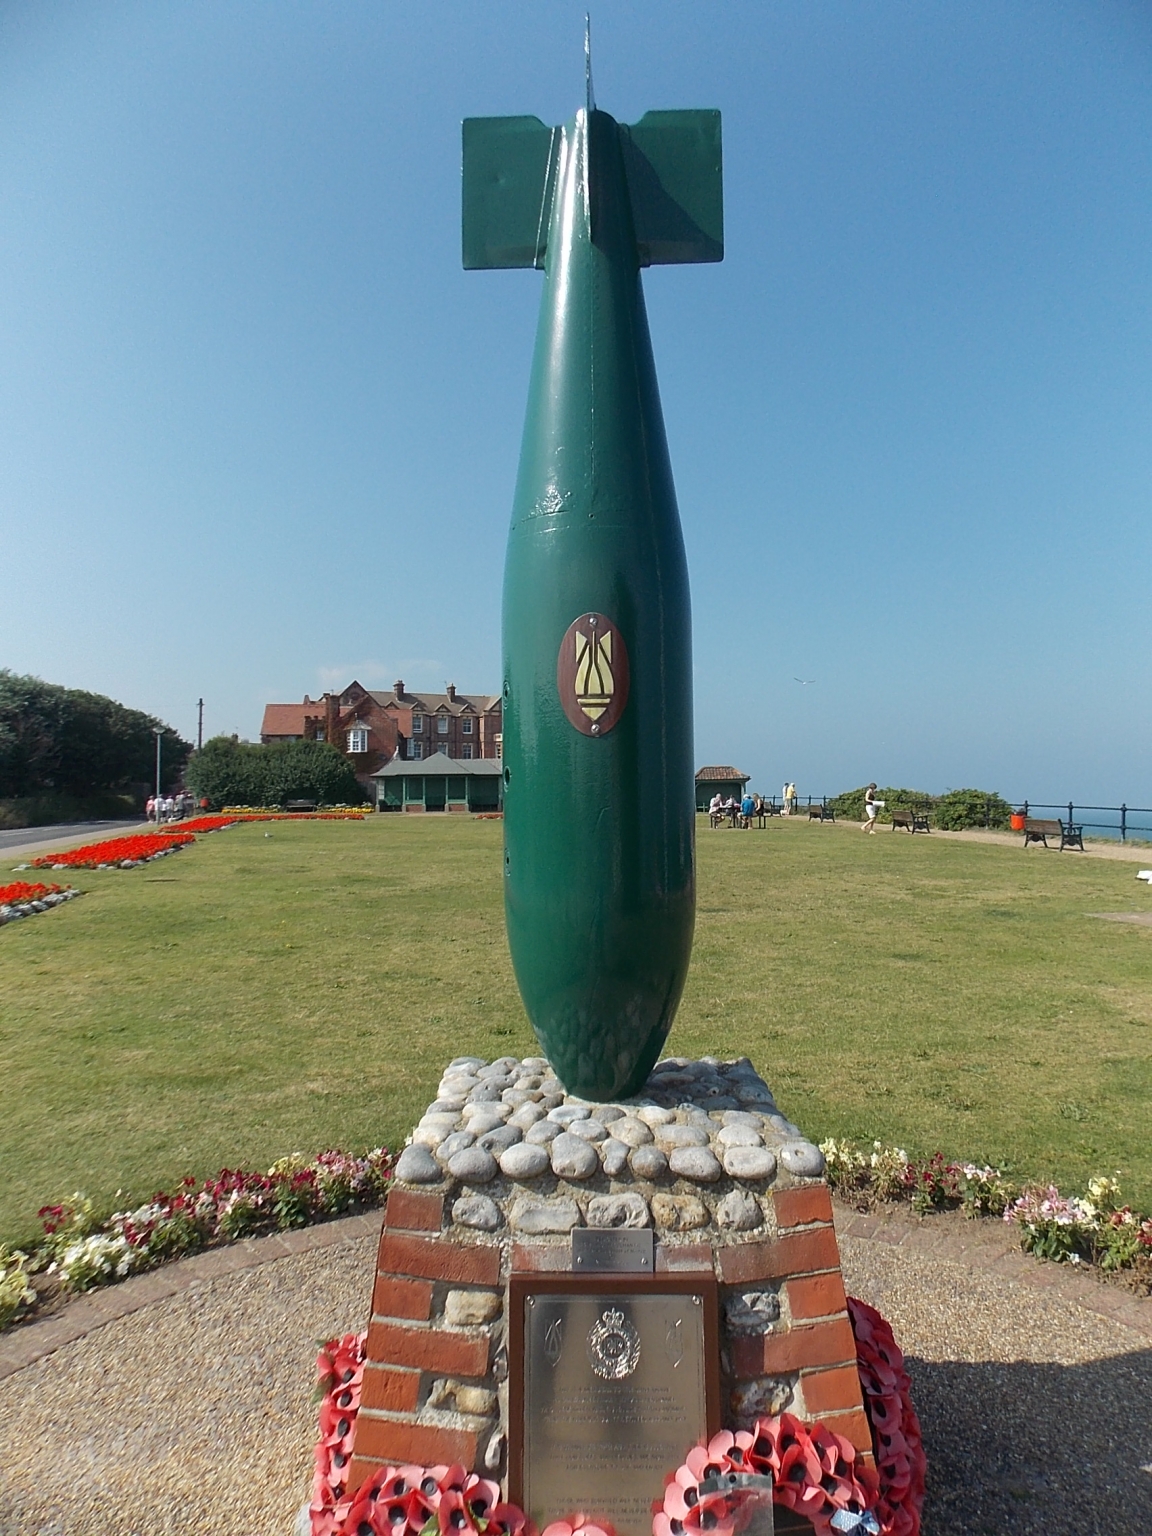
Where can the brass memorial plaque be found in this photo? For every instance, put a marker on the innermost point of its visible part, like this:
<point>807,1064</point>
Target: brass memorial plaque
<point>617,1386</point>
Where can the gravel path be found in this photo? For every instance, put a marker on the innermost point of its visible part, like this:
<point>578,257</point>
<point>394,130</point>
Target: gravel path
<point>191,1415</point>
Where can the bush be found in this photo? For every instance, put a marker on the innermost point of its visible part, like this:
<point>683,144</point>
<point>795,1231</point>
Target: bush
<point>953,812</point>
<point>850,805</point>
<point>961,808</point>
<point>230,772</point>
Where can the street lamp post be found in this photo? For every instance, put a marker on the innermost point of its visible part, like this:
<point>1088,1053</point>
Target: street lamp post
<point>158,732</point>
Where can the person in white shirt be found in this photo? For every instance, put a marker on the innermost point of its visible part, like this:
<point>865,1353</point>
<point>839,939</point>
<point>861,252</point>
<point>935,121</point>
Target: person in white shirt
<point>871,806</point>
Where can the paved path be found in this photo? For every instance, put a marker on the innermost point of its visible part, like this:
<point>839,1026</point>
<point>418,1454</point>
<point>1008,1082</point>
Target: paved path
<point>178,1404</point>
<point>21,841</point>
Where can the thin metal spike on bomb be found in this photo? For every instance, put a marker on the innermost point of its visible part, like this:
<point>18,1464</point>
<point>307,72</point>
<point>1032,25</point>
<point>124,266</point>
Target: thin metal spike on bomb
<point>598,788</point>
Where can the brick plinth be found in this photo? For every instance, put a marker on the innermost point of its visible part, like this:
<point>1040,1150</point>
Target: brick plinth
<point>411,1349</point>
<point>786,1337</point>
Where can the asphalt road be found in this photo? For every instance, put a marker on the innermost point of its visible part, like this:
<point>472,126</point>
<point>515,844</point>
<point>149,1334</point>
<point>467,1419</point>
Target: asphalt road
<point>19,837</point>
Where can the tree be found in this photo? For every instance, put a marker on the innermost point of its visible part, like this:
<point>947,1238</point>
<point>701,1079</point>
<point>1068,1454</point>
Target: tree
<point>231,772</point>
<point>57,740</point>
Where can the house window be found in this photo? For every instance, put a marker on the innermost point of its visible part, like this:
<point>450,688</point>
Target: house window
<point>320,735</point>
<point>358,739</point>
<point>442,725</point>
<point>442,746</point>
<point>466,725</point>
<point>467,750</point>
<point>417,724</point>
<point>415,749</point>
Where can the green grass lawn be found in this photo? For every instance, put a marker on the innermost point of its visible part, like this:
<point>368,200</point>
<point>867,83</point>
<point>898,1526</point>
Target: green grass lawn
<point>287,989</point>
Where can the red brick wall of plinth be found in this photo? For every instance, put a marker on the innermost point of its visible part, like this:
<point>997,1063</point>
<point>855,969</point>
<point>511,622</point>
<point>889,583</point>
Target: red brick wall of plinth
<point>409,1346</point>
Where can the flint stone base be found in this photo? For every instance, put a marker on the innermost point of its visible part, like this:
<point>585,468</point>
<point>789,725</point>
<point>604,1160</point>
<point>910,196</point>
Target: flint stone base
<point>703,1156</point>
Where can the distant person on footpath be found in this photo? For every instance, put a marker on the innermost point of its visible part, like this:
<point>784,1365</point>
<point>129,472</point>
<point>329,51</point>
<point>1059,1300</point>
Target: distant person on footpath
<point>149,807</point>
<point>871,806</point>
<point>784,811</point>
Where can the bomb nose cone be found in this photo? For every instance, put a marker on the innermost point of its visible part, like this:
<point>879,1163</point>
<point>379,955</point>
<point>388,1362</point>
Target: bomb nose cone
<point>599,808</point>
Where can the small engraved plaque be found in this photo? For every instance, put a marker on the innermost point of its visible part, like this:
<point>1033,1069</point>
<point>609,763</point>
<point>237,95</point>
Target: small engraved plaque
<point>617,1387</point>
<point>607,1249</point>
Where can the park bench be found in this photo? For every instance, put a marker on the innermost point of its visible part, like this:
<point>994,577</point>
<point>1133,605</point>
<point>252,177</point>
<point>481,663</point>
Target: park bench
<point>915,821</point>
<point>821,813</point>
<point>300,805</point>
<point>1070,835</point>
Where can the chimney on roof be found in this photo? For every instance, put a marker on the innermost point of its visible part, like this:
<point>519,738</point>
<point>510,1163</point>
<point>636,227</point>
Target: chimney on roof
<point>452,693</point>
<point>398,687</point>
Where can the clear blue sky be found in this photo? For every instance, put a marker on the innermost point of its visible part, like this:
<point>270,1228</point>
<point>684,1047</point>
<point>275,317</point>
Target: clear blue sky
<point>258,430</point>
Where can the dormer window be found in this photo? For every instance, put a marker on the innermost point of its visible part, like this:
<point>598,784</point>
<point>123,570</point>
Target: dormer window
<point>358,739</point>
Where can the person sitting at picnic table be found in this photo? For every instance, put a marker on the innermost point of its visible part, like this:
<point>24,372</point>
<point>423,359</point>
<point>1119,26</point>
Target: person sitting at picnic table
<point>731,809</point>
<point>716,809</point>
<point>747,810</point>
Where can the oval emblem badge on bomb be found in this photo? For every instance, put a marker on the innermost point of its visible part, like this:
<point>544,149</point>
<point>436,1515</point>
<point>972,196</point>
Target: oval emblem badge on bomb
<point>592,674</point>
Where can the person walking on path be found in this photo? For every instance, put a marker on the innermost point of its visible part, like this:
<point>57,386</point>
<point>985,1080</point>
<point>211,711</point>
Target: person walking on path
<point>871,806</point>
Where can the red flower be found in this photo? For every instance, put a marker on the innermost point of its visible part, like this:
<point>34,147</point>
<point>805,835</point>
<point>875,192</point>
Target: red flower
<point>454,1516</point>
<point>896,1441</point>
<point>20,890</point>
<point>116,850</point>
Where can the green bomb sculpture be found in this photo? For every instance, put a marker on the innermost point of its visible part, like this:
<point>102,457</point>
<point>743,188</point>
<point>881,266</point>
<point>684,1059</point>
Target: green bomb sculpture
<point>598,783</point>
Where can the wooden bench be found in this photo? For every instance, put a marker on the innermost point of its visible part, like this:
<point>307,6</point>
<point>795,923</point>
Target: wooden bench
<point>1070,835</point>
<point>914,820</point>
<point>298,807</point>
<point>820,813</point>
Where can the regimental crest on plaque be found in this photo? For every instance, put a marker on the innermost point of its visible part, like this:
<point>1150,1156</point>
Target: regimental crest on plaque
<point>613,1345</point>
<point>592,674</point>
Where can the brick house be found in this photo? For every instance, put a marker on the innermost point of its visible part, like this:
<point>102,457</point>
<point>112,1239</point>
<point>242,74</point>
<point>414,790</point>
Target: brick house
<point>376,727</point>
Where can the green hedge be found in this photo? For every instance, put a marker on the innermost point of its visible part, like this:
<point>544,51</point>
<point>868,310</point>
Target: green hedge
<point>229,772</point>
<point>961,808</point>
<point>951,812</point>
<point>849,806</point>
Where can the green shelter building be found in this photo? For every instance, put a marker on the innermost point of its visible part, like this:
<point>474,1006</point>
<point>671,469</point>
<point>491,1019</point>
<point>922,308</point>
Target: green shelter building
<point>719,781</point>
<point>440,783</point>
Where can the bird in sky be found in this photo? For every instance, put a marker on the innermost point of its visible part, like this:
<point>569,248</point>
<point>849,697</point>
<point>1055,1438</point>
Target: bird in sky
<point>804,681</point>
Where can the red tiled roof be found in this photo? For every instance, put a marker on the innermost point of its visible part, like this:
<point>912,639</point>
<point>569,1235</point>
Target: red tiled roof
<point>724,772</point>
<point>285,719</point>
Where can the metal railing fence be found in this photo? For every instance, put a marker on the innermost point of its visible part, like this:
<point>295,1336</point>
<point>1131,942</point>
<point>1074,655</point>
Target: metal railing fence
<point>1069,812</point>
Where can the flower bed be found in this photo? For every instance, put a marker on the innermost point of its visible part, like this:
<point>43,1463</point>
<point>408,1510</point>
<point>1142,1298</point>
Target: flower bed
<point>1095,1229</point>
<point>20,899</point>
<point>198,824</point>
<point>83,1248</point>
<point>117,852</point>
<point>337,813</point>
